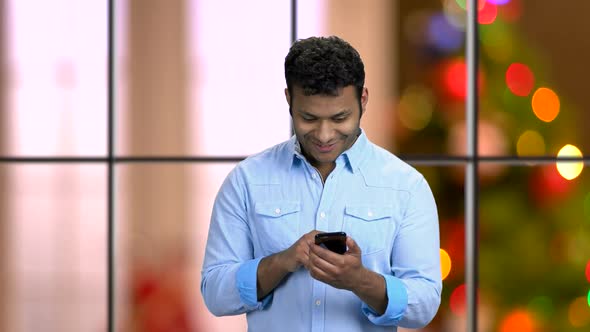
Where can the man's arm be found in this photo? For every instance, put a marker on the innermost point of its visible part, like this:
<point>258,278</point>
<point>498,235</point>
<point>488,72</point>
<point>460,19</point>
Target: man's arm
<point>272,269</point>
<point>415,273</point>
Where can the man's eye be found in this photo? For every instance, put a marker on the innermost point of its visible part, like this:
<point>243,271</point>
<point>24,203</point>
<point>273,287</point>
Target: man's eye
<point>308,119</point>
<point>339,119</point>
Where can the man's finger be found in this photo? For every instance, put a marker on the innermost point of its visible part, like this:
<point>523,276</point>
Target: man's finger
<point>353,248</point>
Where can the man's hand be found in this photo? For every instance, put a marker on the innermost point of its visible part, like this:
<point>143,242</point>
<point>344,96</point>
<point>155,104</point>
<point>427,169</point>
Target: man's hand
<point>297,255</point>
<point>347,272</point>
<point>340,271</point>
<point>272,269</point>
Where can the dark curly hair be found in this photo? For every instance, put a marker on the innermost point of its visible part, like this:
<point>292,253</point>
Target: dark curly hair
<point>322,65</point>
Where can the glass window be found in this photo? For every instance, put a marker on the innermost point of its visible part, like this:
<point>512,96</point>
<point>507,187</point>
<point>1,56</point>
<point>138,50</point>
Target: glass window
<point>534,243</point>
<point>56,82</point>
<point>54,259</point>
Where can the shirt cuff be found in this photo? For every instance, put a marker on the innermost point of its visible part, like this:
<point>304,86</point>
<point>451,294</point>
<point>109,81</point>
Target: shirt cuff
<point>246,284</point>
<point>397,303</point>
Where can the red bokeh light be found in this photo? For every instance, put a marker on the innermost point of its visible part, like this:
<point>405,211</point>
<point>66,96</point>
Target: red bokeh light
<point>458,301</point>
<point>520,79</point>
<point>588,271</point>
<point>487,14</point>
<point>454,76</point>
<point>511,11</point>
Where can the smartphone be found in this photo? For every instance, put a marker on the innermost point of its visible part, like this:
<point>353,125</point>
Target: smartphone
<point>333,241</point>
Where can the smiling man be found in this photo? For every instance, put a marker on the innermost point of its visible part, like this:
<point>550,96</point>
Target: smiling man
<point>261,258</point>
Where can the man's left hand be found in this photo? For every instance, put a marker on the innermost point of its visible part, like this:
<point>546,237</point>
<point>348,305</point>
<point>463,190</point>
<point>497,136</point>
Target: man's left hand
<point>340,271</point>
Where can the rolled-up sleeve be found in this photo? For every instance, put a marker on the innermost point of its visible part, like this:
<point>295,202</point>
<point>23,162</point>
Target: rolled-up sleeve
<point>397,302</point>
<point>414,286</point>
<point>228,277</point>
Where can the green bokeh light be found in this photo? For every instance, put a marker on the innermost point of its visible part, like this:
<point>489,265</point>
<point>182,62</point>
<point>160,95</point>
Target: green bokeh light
<point>587,207</point>
<point>542,306</point>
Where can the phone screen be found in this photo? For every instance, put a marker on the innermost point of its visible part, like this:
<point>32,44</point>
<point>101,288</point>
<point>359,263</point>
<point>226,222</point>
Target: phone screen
<point>333,241</point>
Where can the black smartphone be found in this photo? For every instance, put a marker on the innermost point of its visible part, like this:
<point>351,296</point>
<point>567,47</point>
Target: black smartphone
<point>333,241</point>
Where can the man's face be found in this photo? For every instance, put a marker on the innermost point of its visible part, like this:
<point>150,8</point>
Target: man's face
<point>326,126</point>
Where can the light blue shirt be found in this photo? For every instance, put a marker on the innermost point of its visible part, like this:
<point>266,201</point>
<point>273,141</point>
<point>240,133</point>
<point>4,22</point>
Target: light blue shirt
<point>273,198</point>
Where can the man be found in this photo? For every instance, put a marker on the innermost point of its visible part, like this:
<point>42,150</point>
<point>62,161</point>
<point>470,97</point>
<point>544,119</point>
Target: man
<point>261,258</point>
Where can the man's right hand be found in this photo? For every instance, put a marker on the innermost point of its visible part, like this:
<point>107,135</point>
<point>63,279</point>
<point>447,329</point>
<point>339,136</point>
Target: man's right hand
<point>272,269</point>
<point>297,255</point>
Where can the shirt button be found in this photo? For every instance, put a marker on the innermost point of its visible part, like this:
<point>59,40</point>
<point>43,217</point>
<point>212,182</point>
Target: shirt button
<point>370,213</point>
<point>318,302</point>
<point>322,215</point>
<point>313,176</point>
<point>277,210</point>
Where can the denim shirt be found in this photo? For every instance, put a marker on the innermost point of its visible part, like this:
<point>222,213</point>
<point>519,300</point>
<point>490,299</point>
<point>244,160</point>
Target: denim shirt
<point>271,199</point>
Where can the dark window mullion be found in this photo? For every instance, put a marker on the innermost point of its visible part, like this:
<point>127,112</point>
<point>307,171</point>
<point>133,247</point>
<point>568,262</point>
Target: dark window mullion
<point>471,174</point>
<point>110,167</point>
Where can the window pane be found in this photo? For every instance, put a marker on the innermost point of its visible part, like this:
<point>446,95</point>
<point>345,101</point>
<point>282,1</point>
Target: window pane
<point>163,216</point>
<point>56,78</point>
<point>535,101</point>
<point>203,77</point>
<point>534,243</point>
<point>54,257</point>
<point>430,108</point>
<point>376,43</point>
<point>447,186</point>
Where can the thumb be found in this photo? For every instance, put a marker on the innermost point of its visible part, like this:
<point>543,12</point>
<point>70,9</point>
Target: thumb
<point>353,248</point>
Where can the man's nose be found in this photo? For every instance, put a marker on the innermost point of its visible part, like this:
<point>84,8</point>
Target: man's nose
<point>325,132</point>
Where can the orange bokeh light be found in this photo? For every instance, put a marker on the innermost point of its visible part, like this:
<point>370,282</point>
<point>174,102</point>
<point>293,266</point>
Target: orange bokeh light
<point>578,312</point>
<point>545,104</point>
<point>518,321</point>
<point>445,263</point>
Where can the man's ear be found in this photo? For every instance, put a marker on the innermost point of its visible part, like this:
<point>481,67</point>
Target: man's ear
<point>364,99</point>
<point>287,96</point>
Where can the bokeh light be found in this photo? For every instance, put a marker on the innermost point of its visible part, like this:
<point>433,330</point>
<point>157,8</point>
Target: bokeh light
<point>499,2</point>
<point>487,14</point>
<point>545,104</point>
<point>445,263</point>
<point>588,271</point>
<point>518,321</point>
<point>454,76</point>
<point>454,14</point>
<point>542,306</point>
<point>569,169</point>
<point>587,209</point>
<point>458,301</point>
<point>443,35</point>
<point>463,4</point>
<point>588,297</point>
<point>520,79</point>
<point>415,107</point>
<point>511,11</point>
<point>530,143</point>
<point>579,312</point>
<point>497,41</point>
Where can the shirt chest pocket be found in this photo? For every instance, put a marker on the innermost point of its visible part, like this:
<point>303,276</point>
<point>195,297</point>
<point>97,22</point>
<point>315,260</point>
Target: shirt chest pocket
<point>277,224</point>
<point>369,225</point>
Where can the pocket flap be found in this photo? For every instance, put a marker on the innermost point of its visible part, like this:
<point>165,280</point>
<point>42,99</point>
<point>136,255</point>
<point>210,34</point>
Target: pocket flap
<point>277,208</point>
<point>368,213</point>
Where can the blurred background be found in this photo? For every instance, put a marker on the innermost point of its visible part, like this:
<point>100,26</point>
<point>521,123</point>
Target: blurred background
<point>203,80</point>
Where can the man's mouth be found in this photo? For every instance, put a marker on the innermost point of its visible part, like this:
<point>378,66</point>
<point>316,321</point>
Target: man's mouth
<point>324,148</point>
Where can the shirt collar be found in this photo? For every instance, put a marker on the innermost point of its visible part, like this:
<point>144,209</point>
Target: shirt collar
<point>353,156</point>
